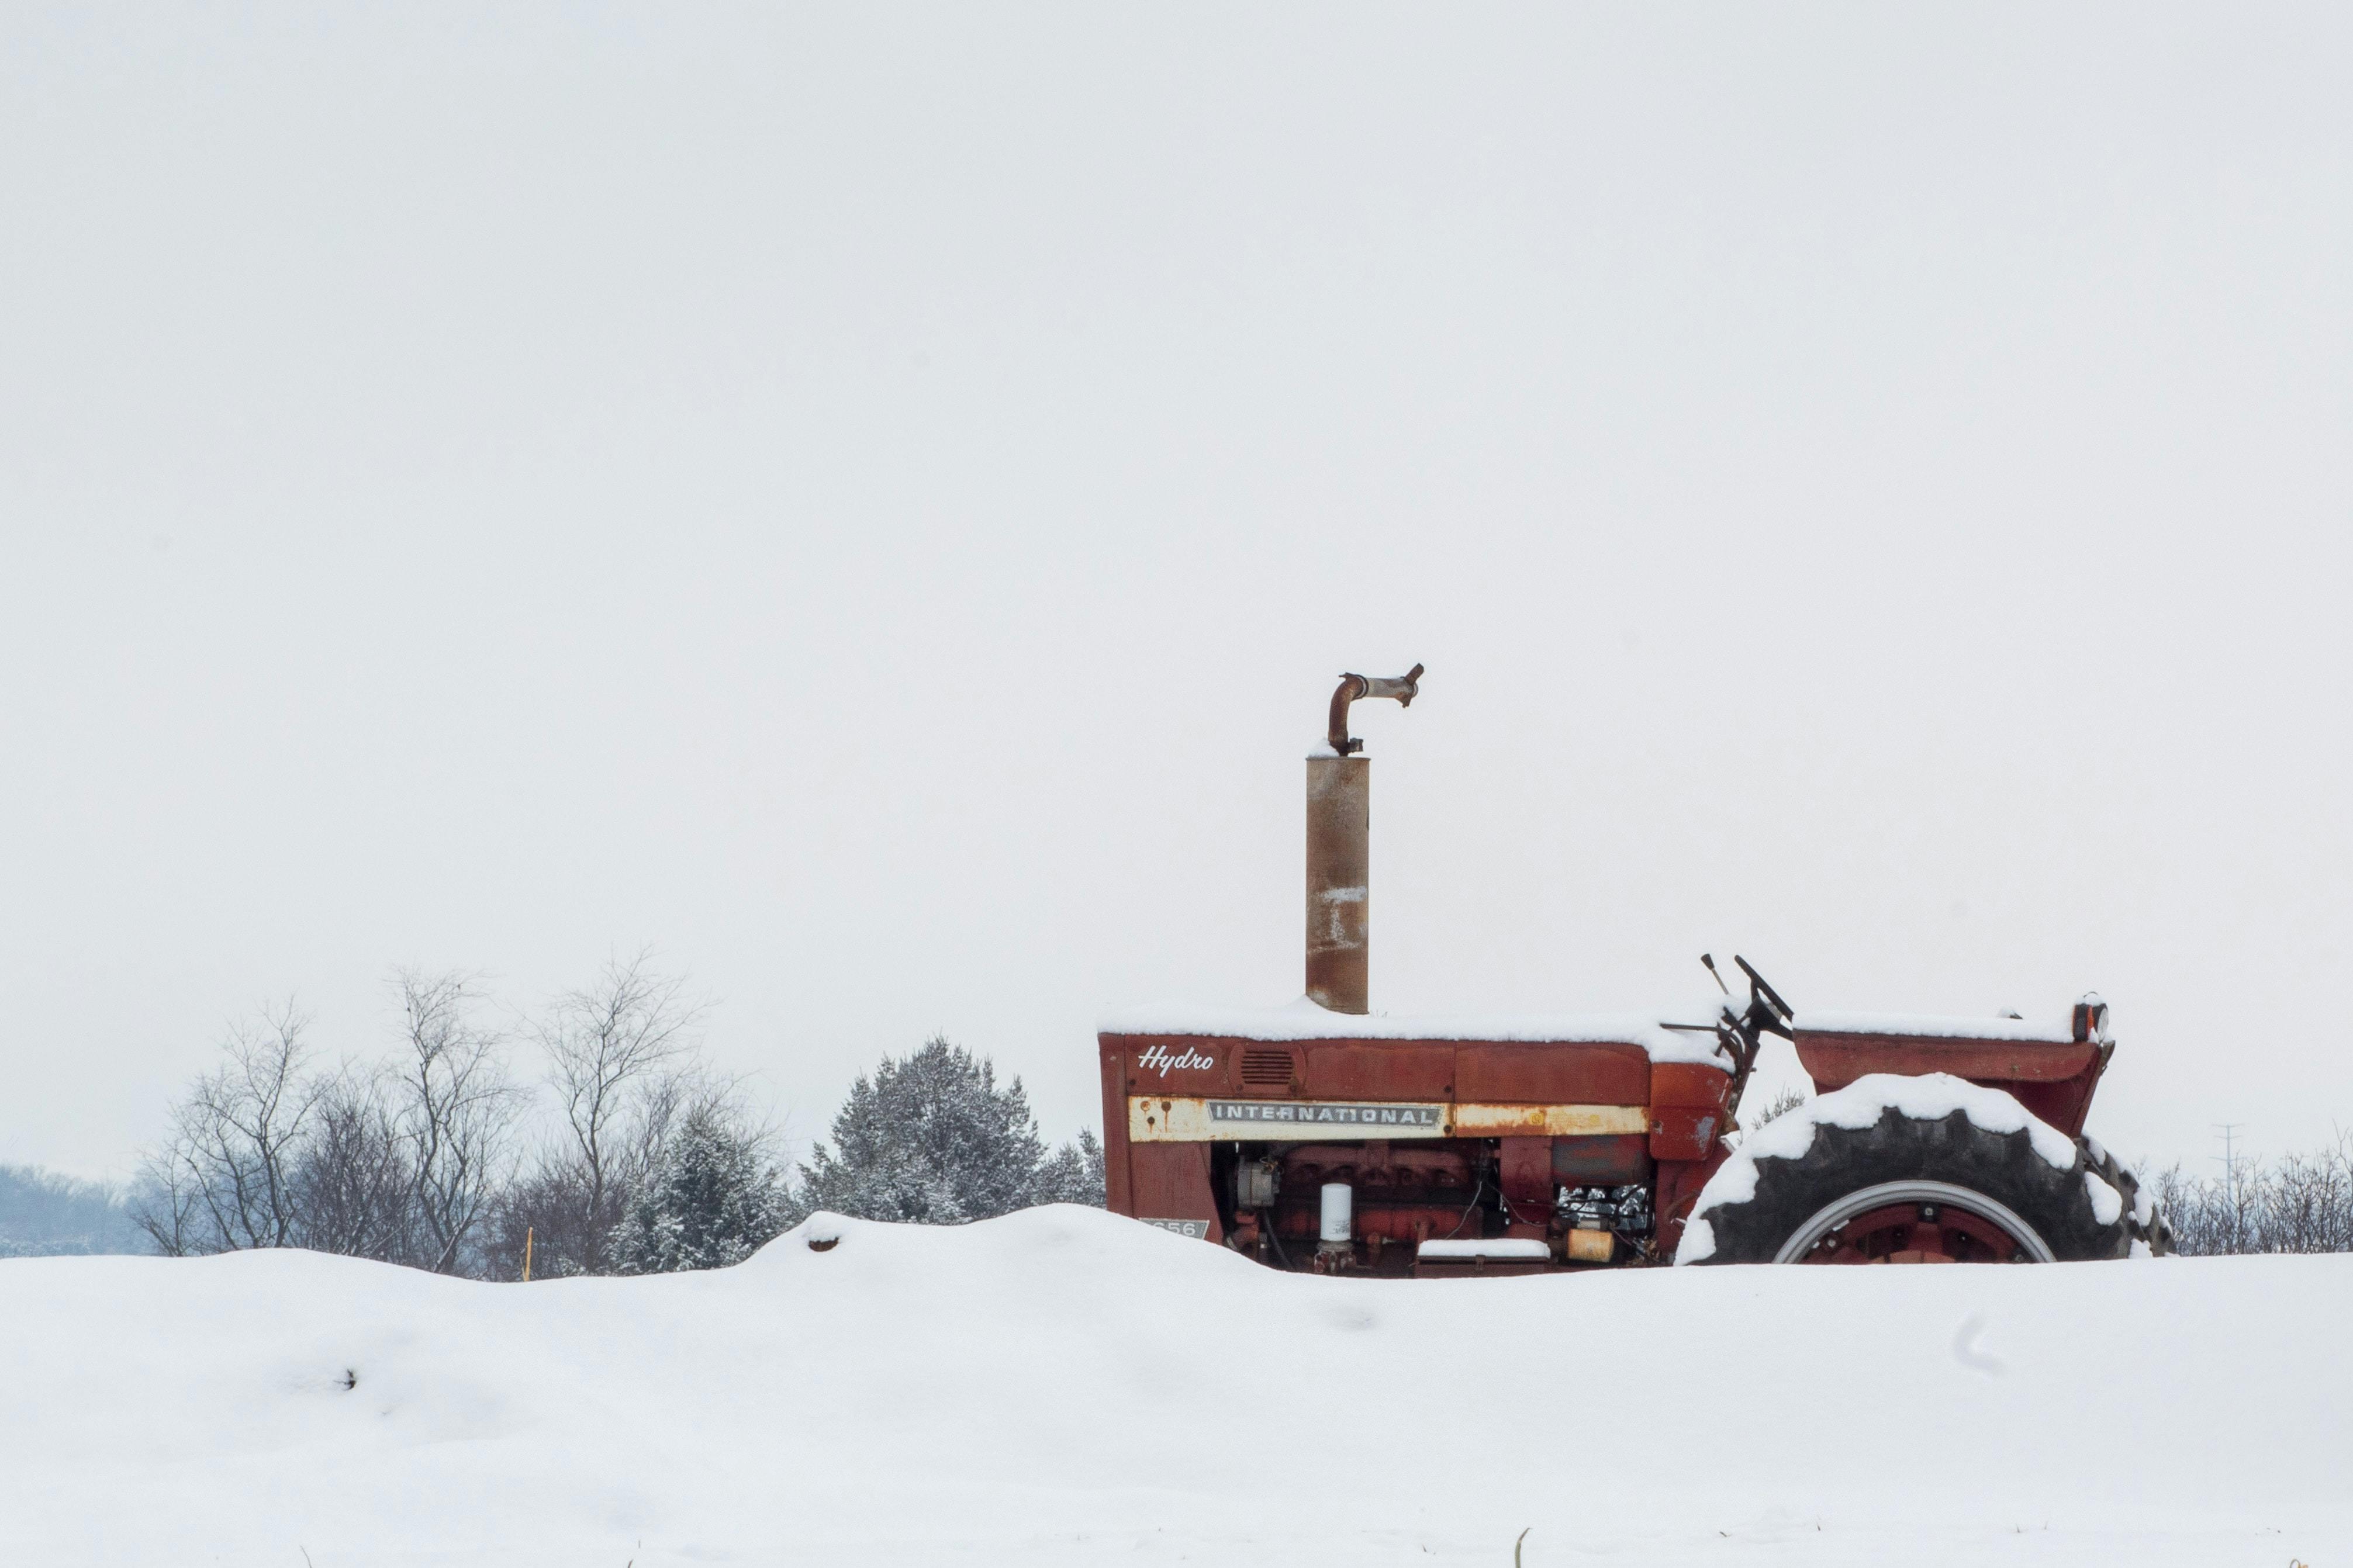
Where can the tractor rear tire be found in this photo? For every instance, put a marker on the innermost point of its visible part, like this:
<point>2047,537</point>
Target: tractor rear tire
<point>1907,1190</point>
<point>2154,1232</point>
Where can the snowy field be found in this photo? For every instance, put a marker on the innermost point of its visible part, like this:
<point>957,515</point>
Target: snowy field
<point>1064,1386</point>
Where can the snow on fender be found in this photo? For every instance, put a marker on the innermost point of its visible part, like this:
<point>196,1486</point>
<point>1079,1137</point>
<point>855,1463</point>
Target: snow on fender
<point>1929,1168</point>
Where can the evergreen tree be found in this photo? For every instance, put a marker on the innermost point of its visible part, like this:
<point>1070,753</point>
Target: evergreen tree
<point>1074,1175</point>
<point>930,1139</point>
<point>711,1200</point>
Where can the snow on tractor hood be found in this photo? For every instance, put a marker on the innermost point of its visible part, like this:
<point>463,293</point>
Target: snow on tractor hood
<point>1303,1020</point>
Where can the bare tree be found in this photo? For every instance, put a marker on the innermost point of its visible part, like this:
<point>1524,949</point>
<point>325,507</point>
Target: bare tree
<point>2310,1200</point>
<point>2243,1185</point>
<point>614,1048</point>
<point>165,1203</point>
<point>224,1180</point>
<point>537,1217</point>
<point>548,1208</point>
<point>2304,1204</point>
<point>353,1184</point>
<point>456,1110</point>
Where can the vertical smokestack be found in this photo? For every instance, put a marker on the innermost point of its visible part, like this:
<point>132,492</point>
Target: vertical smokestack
<point>1339,851</point>
<point>1339,829</point>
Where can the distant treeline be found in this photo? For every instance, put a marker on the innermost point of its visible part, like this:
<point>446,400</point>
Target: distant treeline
<point>593,1138</point>
<point>44,1215</point>
<point>2300,1202</point>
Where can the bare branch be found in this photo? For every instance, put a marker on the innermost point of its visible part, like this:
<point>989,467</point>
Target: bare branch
<point>611,1048</point>
<point>456,1108</point>
<point>224,1181</point>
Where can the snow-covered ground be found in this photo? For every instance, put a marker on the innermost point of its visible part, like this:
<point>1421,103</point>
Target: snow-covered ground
<point>1064,1386</point>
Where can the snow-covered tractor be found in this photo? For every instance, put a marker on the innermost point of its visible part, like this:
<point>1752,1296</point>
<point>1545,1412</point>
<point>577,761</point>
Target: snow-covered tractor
<point>1322,1136</point>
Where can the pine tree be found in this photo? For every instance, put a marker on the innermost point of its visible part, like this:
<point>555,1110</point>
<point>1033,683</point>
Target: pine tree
<point>930,1139</point>
<point>711,1200</point>
<point>1074,1175</point>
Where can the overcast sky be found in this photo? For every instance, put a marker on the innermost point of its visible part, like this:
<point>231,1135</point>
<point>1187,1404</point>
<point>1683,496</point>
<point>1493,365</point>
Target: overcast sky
<point>871,502</point>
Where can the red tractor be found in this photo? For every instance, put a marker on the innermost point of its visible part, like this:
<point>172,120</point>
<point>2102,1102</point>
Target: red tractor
<point>1321,1137</point>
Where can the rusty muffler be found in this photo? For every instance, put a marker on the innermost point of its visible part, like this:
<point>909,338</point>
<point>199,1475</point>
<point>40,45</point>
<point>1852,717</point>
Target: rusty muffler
<point>1339,832</point>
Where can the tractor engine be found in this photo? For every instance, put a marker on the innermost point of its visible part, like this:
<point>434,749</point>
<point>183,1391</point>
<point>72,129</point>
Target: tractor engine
<point>1318,1140</point>
<point>1315,1202</point>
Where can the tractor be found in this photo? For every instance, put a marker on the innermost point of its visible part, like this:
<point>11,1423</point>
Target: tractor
<point>1321,1137</point>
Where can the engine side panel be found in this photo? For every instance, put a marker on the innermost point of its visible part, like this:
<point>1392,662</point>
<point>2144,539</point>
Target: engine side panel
<point>1506,1071</point>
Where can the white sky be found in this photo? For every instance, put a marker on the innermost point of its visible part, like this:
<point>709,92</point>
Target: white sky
<point>872,500</point>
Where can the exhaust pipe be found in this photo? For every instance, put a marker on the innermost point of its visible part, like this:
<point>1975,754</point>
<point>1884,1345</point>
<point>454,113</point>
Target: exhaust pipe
<point>1339,829</point>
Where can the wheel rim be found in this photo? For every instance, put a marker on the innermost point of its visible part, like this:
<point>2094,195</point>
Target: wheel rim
<point>1916,1222</point>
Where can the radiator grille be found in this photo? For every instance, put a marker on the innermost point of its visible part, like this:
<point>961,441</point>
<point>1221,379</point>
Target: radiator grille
<point>1266,1069</point>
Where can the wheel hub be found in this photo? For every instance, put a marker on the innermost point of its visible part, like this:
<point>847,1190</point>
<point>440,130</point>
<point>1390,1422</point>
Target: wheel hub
<point>1916,1232</point>
<point>1916,1222</point>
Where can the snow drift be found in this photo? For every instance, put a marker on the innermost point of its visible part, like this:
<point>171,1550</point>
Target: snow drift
<point>1065,1387</point>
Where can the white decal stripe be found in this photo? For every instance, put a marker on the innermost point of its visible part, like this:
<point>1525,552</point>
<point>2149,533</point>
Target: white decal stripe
<point>1194,1119</point>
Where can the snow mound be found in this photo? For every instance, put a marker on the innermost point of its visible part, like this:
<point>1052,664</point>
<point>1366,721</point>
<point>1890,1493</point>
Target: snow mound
<point>1924,1097</point>
<point>1066,1387</point>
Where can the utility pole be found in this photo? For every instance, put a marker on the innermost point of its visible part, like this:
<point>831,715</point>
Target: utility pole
<point>2230,1130</point>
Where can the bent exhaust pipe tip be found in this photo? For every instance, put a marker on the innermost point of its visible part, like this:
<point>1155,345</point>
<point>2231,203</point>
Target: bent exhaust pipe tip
<point>1401,689</point>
